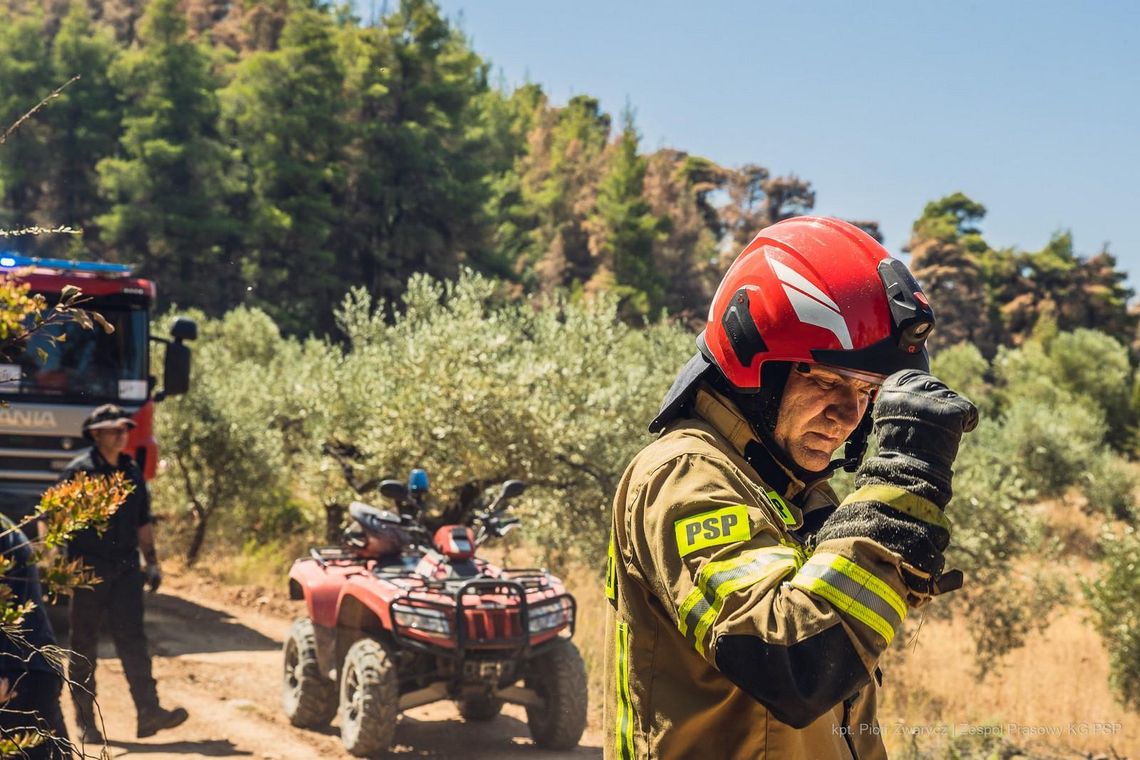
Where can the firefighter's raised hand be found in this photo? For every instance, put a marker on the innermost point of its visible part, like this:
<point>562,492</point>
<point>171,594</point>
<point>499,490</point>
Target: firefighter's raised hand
<point>152,575</point>
<point>902,490</point>
<point>919,422</point>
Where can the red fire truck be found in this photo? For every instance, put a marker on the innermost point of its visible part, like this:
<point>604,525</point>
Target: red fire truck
<point>49,387</point>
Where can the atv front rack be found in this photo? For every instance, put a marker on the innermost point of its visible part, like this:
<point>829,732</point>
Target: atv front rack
<point>495,629</point>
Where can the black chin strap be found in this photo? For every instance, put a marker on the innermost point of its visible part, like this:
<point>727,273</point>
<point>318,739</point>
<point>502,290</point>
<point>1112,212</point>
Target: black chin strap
<point>856,445</point>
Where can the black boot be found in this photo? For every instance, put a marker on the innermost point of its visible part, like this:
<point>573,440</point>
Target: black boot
<point>159,719</point>
<point>89,732</point>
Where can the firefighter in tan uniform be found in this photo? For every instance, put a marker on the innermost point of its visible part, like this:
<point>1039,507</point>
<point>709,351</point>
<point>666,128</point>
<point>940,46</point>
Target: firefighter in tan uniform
<point>747,609</point>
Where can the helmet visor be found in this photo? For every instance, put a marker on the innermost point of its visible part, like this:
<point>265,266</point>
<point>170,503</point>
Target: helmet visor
<point>829,376</point>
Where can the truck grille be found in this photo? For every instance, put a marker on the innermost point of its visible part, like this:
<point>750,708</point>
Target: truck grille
<point>69,445</point>
<point>39,458</point>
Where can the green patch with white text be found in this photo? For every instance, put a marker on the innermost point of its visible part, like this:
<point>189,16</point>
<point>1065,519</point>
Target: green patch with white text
<point>727,525</point>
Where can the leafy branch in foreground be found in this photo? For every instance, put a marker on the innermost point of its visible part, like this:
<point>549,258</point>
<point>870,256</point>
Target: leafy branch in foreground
<point>63,510</point>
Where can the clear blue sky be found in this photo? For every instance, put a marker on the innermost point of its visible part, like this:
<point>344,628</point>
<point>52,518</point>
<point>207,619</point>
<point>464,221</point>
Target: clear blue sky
<point>1028,107</point>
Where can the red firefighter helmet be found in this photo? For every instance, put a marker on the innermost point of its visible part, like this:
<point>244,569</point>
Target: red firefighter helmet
<point>819,291</point>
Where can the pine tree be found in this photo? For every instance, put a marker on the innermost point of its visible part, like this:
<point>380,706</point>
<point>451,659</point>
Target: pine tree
<point>565,160</point>
<point>945,247</point>
<point>418,172</point>
<point>84,127</point>
<point>168,186</point>
<point>626,229</point>
<point>509,120</point>
<point>284,109</point>
<point>25,79</point>
<point>679,187</point>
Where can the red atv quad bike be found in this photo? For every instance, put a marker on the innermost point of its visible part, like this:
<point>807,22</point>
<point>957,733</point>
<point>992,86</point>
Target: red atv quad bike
<point>398,619</point>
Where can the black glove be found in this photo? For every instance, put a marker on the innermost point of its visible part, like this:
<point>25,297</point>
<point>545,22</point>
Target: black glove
<point>902,490</point>
<point>152,576</point>
<point>919,423</point>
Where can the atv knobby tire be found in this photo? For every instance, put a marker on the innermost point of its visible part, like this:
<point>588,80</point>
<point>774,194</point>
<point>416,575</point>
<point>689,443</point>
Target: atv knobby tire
<point>369,699</point>
<point>308,696</point>
<point>479,708</point>
<point>559,677</point>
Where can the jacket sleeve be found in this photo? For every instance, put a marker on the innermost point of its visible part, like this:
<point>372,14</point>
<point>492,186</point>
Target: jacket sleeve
<point>800,633</point>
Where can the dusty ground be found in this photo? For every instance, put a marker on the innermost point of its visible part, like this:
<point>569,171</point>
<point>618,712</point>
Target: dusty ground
<point>217,652</point>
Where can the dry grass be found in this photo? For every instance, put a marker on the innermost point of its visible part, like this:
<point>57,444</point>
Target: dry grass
<point>266,566</point>
<point>1058,682</point>
<point>930,701</point>
<point>590,635</point>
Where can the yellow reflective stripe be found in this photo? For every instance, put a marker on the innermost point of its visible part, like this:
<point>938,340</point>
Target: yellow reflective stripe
<point>854,591</point>
<point>755,560</point>
<point>903,501</point>
<point>871,582</point>
<point>719,579</point>
<point>611,570</point>
<point>623,728</point>
<point>692,600</point>
<point>702,627</point>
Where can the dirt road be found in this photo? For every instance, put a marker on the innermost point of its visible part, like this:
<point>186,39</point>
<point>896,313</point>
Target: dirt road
<point>217,652</point>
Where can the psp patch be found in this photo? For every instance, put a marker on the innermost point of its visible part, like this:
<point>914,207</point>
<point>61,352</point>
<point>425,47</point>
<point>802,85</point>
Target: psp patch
<point>727,525</point>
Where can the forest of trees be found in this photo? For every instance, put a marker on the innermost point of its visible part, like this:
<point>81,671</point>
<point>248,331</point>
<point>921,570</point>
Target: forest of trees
<point>341,203</point>
<point>272,153</point>
<point>275,153</point>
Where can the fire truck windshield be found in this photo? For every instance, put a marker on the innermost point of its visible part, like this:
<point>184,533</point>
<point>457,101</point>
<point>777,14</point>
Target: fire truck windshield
<point>84,365</point>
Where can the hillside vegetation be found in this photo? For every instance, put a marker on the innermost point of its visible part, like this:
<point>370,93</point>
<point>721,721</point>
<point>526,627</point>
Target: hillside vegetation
<point>396,262</point>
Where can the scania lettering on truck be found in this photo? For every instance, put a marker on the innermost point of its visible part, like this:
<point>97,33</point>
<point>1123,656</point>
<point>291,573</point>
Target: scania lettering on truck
<point>50,386</point>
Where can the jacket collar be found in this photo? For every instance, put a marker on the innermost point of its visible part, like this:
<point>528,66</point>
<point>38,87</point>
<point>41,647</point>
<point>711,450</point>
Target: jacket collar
<point>98,460</point>
<point>723,415</point>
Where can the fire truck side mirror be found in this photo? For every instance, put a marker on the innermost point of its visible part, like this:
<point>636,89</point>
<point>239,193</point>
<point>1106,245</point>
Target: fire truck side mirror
<point>184,329</point>
<point>175,371</point>
<point>176,367</point>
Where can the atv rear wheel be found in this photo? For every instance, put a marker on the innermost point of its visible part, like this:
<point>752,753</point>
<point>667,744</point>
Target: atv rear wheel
<point>369,699</point>
<point>559,677</point>
<point>479,708</point>
<point>309,698</point>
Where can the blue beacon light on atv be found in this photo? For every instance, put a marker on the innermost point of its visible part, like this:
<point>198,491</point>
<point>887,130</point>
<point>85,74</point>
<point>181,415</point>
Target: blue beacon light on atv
<point>418,481</point>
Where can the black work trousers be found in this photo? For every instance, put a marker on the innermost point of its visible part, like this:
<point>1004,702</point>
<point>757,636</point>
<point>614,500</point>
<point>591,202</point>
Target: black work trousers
<point>119,600</point>
<point>35,708</point>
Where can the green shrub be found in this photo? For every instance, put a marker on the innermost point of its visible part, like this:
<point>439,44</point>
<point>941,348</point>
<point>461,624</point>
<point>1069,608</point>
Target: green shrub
<point>964,369</point>
<point>1083,367</point>
<point>1110,484</point>
<point>1115,602</point>
<point>1052,444</point>
<point>222,456</point>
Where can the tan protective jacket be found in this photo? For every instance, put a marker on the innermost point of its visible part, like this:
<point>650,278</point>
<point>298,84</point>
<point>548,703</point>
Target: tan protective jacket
<point>725,638</point>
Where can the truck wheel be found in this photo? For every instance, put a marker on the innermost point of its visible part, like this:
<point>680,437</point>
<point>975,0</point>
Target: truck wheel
<point>369,699</point>
<point>309,698</point>
<point>479,708</point>
<point>559,677</point>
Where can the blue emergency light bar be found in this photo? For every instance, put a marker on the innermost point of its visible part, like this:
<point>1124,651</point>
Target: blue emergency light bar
<point>14,261</point>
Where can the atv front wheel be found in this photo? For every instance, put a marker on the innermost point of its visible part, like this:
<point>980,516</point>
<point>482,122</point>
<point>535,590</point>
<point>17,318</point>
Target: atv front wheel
<point>479,708</point>
<point>559,677</point>
<point>309,698</point>
<point>369,699</point>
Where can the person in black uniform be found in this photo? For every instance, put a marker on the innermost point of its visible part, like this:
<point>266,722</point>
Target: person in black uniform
<point>36,680</point>
<point>118,597</point>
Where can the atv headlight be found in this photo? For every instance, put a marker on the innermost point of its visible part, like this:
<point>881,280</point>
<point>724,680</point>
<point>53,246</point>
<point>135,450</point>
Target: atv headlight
<point>552,614</point>
<point>422,619</point>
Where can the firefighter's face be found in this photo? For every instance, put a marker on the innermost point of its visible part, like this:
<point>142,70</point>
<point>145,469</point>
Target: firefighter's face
<point>818,412</point>
<point>112,439</point>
